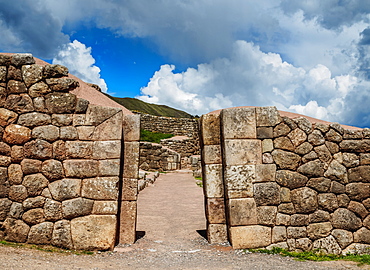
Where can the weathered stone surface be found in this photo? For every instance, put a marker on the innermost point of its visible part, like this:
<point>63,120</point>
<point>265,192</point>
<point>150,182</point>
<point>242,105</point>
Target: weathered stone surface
<point>303,244</point>
<point>16,210</point>
<point>267,158</point>
<point>93,232</point>
<point>15,230</point>
<point>239,123</point>
<point>358,208</point>
<point>299,220</point>
<point>68,133</point>
<point>100,188</point>
<point>129,189</point>
<point>34,216</point>
<point>242,212</point>
<point>7,117</point>
<point>266,193</point>
<point>267,145</point>
<point>266,215</point>
<point>31,74</point>
<point>217,233</point>
<point>251,154</point>
<point>39,89</point>
<point>52,210</point>
<point>214,187</point>
<point>250,236</point>
<point>282,219</point>
<point>19,103</point>
<point>304,200</point>
<point>3,72</point>
<point>267,116</point>
<point>79,149</point>
<point>35,183</point>
<point>41,233</point>
<point>312,169</point>
<point>110,129</point>
<point>34,202</point>
<point>359,174</point>
<point>297,136</point>
<point>16,134</point>
<point>5,60</point>
<point>281,129</point>
<point>5,205</point>
<point>61,120</point>
<point>34,119</point>
<point>333,136</point>
<point>59,150</point>
<point>309,157</point>
<point>316,138</point>
<point>80,120</point>
<point>320,184</point>
<point>210,129</point>
<point>60,102</point>
<point>264,132</point>
<point>328,201</point>
<point>15,174</point>
<point>65,189</point>
<point>296,232</point>
<point>278,234</point>
<point>76,207</point>
<point>290,179</point>
<point>362,236</point>
<point>285,195</point>
<point>17,154</point>
<point>356,248</point>
<point>346,220</point>
<point>52,169</point>
<point>240,177</point>
<point>215,210</point>
<point>80,168</point>
<point>358,146</point>
<point>61,236</point>
<point>319,216</point>
<point>131,157</point>
<point>337,172</point>
<point>327,245</point>
<point>31,166</point>
<point>127,226</point>
<point>21,59</point>
<point>350,160</point>
<point>343,237</point>
<point>265,173</point>
<point>49,133</point>
<point>107,149</point>
<point>5,161</point>
<point>39,104</point>
<point>105,208</point>
<point>337,188</point>
<point>286,208</point>
<point>323,153</point>
<point>283,143</point>
<point>38,149</point>
<point>343,200</point>
<point>212,154</point>
<point>55,71</point>
<point>64,84</point>
<point>16,87</point>
<point>282,245</point>
<point>366,222</point>
<point>358,191</point>
<point>333,147</point>
<point>131,130</point>
<point>365,159</point>
<point>286,160</point>
<point>319,230</point>
<point>95,115</point>
<point>109,167</point>
<point>18,193</point>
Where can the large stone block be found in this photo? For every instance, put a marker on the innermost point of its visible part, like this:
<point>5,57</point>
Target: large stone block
<point>64,84</point>
<point>337,172</point>
<point>32,74</point>
<point>52,210</point>
<point>265,173</point>
<point>94,232</point>
<point>100,188</point>
<point>266,215</point>
<point>16,134</point>
<point>34,216</point>
<point>304,200</point>
<point>362,236</point>
<point>297,136</point>
<point>242,152</point>
<point>266,193</point>
<point>18,193</point>
<point>49,133</point>
<point>15,230</point>
<point>39,90</point>
<point>34,119</point>
<point>210,129</point>
<point>109,167</point>
<point>76,207</point>
<point>65,189</point>
<point>279,234</point>
<point>57,102</point>
<point>242,212</point>
<point>96,115</point>
<point>239,123</point>
<point>320,184</point>
<point>359,174</point>
<point>16,87</point>
<point>19,103</point>
<point>358,191</point>
<point>21,59</point>
<point>127,223</point>
<point>327,245</point>
<point>343,237</point>
<point>41,233</point>
<point>240,178</point>
<point>107,149</point>
<point>7,117</point>
<point>68,133</point>
<point>15,174</point>
<point>319,230</point>
<point>215,210</point>
<point>284,143</point>
<point>35,183</point>
<point>81,168</point>
<point>79,149</point>
<point>110,129</point>
<point>267,116</point>
<point>34,202</point>
<point>129,189</point>
<point>61,120</point>
<point>346,220</point>
<point>213,183</point>
<point>38,149</point>
<point>291,180</point>
<point>5,205</point>
<point>358,208</point>
<point>250,236</point>
<point>328,201</point>
<point>217,233</point>
<point>131,127</point>
<point>212,154</point>
<point>61,236</point>
<point>286,160</point>
<point>52,169</point>
<point>105,208</point>
<point>131,160</point>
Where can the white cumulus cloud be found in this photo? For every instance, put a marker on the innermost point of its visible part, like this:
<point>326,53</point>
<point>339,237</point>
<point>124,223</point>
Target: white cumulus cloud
<point>79,61</point>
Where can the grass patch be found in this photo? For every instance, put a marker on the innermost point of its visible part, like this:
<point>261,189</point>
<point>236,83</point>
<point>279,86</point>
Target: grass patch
<point>199,181</point>
<point>156,137</point>
<point>45,248</point>
<point>315,255</point>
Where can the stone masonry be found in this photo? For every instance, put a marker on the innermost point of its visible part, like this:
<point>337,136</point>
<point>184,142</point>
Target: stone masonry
<point>272,181</point>
<point>62,179</point>
<point>156,157</point>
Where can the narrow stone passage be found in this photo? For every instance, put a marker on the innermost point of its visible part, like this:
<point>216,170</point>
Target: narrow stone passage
<point>172,210</point>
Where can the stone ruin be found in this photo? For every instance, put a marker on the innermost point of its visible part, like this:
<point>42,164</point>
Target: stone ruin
<point>68,166</point>
<point>272,181</point>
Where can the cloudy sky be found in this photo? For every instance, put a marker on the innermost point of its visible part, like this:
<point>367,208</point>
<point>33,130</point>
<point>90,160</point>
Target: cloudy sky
<point>306,56</point>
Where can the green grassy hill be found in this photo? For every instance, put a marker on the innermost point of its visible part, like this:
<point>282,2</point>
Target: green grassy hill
<point>134,104</point>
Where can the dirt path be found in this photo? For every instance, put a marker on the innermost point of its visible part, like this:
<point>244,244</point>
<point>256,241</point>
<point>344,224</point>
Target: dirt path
<point>170,212</point>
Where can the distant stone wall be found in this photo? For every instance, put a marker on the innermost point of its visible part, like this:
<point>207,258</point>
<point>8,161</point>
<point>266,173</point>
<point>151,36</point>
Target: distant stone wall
<point>285,183</point>
<point>156,157</point>
<point>62,179</point>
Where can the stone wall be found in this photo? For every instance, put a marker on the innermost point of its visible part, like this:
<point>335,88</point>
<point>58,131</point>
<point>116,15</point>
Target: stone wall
<point>276,181</point>
<point>176,126</point>
<point>61,164</point>
<point>156,157</point>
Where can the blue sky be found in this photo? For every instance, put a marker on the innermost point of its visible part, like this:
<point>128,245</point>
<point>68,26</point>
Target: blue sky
<point>310,57</point>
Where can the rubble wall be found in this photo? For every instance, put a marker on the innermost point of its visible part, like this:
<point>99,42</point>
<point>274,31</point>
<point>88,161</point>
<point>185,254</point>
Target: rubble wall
<point>272,181</point>
<point>156,157</point>
<point>62,179</point>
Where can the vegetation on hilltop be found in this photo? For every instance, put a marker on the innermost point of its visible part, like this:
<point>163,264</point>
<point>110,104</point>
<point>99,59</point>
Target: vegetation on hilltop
<point>137,105</point>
